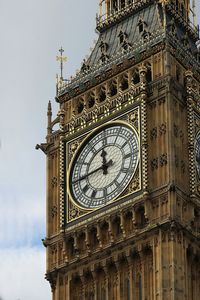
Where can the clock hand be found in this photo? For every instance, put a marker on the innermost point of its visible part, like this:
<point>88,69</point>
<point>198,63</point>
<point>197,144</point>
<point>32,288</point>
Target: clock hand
<point>103,155</point>
<point>103,167</point>
<point>106,166</point>
<point>86,175</point>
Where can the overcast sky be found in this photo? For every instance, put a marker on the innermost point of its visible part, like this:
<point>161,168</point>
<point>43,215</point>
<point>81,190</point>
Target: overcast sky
<point>31,33</point>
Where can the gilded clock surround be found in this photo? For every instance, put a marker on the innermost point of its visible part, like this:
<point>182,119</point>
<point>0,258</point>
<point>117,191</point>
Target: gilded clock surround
<point>144,70</point>
<point>131,119</point>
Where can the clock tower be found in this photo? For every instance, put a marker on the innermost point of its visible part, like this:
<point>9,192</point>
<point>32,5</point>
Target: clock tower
<point>123,170</point>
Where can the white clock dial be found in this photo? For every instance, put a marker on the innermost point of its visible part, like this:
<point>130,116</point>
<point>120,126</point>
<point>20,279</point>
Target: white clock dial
<point>197,153</point>
<point>104,165</point>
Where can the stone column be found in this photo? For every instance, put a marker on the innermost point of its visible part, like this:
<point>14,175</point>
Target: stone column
<point>110,230</point>
<point>122,224</point>
<point>82,278</point>
<point>99,235</point>
<point>95,278</point>
<point>106,272</point>
<point>130,275</point>
<point>67,287</point>
<point>118,283</point>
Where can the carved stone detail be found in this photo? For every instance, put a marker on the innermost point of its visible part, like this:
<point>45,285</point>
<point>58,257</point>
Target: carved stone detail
<point>134,185</point>
<point>54,181</point>
<point>163,129</point>
<point>154,164</point>
<point>153,133</point>
<point>54,211</point>
<point>163,159</point>
<point>133,119</point>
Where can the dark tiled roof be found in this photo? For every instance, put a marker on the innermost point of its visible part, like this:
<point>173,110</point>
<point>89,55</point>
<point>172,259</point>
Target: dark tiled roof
<point>114,53</point>
<point>130,26</point>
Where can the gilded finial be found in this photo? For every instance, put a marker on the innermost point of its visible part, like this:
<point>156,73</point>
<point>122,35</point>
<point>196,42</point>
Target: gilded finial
<point>61,59</point>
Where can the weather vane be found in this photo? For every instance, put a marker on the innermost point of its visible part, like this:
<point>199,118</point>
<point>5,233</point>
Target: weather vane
<point>61,59</point>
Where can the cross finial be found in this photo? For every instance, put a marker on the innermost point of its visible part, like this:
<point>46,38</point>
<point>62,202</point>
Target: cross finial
<point>62,59</point>
<point>61,51</point>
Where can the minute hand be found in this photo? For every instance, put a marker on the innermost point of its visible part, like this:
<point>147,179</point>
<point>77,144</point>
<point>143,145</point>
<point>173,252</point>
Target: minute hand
<point>110,163</point>
<point>86,175</point>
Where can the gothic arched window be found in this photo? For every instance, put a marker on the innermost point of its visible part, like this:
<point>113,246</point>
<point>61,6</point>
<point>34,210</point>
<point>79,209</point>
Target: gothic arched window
<point>102,95</point>
<point>123,4</point>
<point>124,83</point>
<point>136,77</point>
<point>113,89</point>
<point>90,100</point>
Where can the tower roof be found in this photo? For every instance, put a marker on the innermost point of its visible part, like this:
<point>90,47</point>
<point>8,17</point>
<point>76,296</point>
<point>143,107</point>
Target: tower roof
<point>134,33</point>
<point>128,39</point>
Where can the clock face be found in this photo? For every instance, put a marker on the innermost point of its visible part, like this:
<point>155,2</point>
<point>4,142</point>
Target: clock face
<point>104,165</point>
<point>197,153</point>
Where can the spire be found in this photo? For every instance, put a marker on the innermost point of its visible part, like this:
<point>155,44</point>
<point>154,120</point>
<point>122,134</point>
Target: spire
<point>49,111</point>
<point>49,118</point>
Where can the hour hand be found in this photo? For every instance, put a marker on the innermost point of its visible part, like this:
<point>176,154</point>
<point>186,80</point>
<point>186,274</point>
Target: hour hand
<point>103,155</point>
<point>106,166</point>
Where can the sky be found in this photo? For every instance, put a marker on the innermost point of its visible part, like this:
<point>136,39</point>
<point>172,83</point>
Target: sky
<point>31,33</point>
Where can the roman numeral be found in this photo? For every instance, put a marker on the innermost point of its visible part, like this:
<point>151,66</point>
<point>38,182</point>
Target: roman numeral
<point>94,194</point>
<point>85,189</point>
<point>105,142</point>
<point>105,193</point>
<point>124,170</point>
<point>117,183</point>
<point>127,156</point>
<point>124,144</point>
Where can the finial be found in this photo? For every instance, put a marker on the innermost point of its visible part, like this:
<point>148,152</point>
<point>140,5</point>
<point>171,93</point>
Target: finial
<point>62,59</point>
<point>49,108</point>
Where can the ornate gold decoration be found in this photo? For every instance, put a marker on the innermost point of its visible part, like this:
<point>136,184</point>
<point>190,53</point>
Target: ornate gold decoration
<point>61,59</point>
<point>134,185</point>
<point>133,119</point>
<point>62,183</point>
<point>190,117</point>
<point>74,211</point>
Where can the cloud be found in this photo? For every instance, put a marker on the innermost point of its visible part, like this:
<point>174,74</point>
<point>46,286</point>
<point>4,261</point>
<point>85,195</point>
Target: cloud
<point>22,221</point>
<point>22,274</point>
